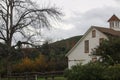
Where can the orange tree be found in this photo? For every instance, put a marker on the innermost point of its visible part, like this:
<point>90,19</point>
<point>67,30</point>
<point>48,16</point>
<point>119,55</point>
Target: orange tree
<point>40,63</point>
<point>26,65</point>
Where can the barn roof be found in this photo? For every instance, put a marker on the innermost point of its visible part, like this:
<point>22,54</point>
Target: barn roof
<point>106,31</point>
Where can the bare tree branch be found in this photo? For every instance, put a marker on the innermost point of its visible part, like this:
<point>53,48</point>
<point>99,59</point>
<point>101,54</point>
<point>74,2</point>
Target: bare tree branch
<point>2,35</point>
<point>3,7</point>
<point>19,14</point>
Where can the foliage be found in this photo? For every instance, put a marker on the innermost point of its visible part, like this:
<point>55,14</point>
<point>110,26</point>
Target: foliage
<point>2,66</point>
<point>32,53</point>
<point>55,52</point>
<point>15,56</point>
<point>40,63</point>
<point>52,60</point>
<point>109,51</point>
<point>5,50</point>
<point>91,71</point>
<point>26,65</point>
<point>112,72</point>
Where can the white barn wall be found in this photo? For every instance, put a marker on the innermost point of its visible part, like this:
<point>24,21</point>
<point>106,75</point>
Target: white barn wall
<point>78,55</point>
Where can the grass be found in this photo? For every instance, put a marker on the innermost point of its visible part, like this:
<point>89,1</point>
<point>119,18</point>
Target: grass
<point>11,79</point>
<point>60,78</point>
<point>56,78</point>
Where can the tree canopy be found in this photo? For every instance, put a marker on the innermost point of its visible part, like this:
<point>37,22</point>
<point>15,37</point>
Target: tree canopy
<point>109,51</point>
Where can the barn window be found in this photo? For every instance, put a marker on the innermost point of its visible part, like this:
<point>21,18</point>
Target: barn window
<point>94,33</point>
<point>111,24</point>
<point>101,40</point>
<point>94,59</point>
<point>86,46</point>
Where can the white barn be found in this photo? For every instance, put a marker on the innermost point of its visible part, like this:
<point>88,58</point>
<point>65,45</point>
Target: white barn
<point>81,52</point>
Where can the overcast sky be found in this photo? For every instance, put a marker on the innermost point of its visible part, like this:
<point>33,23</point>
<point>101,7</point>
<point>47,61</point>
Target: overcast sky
<point>80,15</point>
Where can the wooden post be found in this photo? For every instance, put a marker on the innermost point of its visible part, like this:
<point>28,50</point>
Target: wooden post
<point>16,78</point>
<point>52,77</point>
<point>46,78</point>
<point>26,76</point>
<point>8,78</point>
<point>36,77</point>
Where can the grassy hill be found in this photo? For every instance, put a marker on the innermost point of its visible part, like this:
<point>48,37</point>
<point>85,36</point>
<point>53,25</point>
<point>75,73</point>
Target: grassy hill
<point>67,43</point>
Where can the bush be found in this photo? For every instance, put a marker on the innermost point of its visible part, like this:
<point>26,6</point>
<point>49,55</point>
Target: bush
<point>112,72</point>
<point>91,71</point>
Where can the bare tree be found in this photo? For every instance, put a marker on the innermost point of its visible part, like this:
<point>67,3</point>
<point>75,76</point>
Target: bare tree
<point>21,16</point>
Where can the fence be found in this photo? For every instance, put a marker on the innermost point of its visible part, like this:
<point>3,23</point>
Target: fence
<point>33,75</point>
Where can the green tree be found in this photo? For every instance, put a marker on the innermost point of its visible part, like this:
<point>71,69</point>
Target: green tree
<point>45,48</point>
<point>109,51</point>
<point>112,72</point>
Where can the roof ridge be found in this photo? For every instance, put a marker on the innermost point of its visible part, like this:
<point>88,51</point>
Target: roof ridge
<point>108,31</point>
<point>105,28</point>
<point>114,18</point>
<point>100,27</point>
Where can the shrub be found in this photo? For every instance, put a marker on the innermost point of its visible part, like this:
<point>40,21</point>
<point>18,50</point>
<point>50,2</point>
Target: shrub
<point>93,71</point>
<point>112,72</point>
<point>26,65</point>
<point>90,71</point>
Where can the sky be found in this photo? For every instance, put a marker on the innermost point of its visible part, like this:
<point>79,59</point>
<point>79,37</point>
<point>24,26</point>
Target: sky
<point>79,16</point>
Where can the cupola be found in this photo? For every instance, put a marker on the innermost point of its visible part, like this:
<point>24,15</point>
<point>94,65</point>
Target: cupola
<point>114,23</point>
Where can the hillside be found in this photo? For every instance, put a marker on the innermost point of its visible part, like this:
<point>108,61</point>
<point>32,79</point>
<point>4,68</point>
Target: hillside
<point>60,47</point>
<point>67,43</point>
